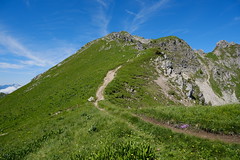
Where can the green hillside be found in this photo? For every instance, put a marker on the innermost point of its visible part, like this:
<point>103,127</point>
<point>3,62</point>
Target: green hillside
<point>51,117</point>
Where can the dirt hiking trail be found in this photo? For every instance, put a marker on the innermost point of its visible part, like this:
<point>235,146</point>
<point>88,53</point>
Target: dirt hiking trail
<point>197,133</point>
<point>109,77</point>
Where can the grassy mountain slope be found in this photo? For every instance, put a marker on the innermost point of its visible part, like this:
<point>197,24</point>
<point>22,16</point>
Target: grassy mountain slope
<point>134,86</point>
<point>61,88</point>
<point>51,118</point>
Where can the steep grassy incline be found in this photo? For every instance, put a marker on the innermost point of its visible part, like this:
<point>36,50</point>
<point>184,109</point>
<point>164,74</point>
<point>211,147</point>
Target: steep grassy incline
<point>63,87</point>
<point>134,87</point>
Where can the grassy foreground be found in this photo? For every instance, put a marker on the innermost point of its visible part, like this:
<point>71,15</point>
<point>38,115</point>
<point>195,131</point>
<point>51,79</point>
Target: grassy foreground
<point>216,119</point>
<point>50,118</point>
<point>87,133</point>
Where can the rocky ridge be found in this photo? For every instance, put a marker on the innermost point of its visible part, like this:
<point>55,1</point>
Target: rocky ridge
<point>197,77</point>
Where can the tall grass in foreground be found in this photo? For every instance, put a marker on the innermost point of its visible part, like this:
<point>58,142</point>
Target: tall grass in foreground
<point>216,119</point>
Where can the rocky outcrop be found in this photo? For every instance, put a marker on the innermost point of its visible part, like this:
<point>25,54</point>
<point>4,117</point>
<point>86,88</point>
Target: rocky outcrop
<point>224,44</point>
<point>124,36</point>
<point>139,43</point>
<point>206,81</point>
<point>228,54</point>
<point>177,72</point>
<point>198,77</point>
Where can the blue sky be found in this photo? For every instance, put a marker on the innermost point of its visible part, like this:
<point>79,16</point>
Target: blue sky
<point>37,34</point>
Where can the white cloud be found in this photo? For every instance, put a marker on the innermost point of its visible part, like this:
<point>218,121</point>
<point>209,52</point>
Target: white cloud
<point>103,3</point>
<point>101,18</point>
<point>41,57</point>
<point>14,46</point>
<point>10,89</point>
<point>141,2</point>
<point>130,12</point>
<point>144,14</point>
<point>10,66</point>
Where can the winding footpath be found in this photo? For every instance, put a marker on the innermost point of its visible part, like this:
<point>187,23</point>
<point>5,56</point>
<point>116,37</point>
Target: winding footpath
<point>197,133</point>
<point>109,77</point>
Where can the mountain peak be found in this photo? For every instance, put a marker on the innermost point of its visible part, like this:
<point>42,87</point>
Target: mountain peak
<point>224,44</point>
<point>123,35</point>
<point>117,34</point>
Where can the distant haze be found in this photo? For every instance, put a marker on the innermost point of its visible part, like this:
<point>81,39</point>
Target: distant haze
<point>7,89</point>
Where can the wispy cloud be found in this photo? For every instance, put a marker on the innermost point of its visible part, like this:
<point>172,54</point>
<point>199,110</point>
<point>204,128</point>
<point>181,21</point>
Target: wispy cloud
<point>40,57</point>
<point>140,2</point>
<point>10,66</point>
<point>101,18</point>
<point>13,46</point>
<point>103,3</point>
<point>144,14</point>
<point>130,12</point>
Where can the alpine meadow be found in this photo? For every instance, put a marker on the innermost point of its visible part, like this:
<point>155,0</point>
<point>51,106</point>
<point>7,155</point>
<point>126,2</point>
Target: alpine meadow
<point>126,97</point>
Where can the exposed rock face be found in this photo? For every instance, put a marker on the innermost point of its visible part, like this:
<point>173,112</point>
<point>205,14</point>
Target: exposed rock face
<point>125,36</point>
<point>209,96</point>
<point>228,54</point>
<point>189,89</point>
<point>167,67</point>
<point>224,44</point>
<point>208,82</point>
<point>198,77</point>
<point>139,42</point>
<point>199,51</point>
<point>172,44</point>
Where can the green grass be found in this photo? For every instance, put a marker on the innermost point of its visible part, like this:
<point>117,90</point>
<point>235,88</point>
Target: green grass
<point>133,86</point>
<point>217,119</point>
<point>61,87</point>
<point>87,133</point>
<point>82,133</point>
<point>50,118</point>
<point>237,90</point>
<point>212,56</point>
<point>125,150</point>
<point>166,39</point>
<point>170,145</point>
<point>199,74</point>
<point>215,86</point>
<point>236,81</point>
<point>58,89</point>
